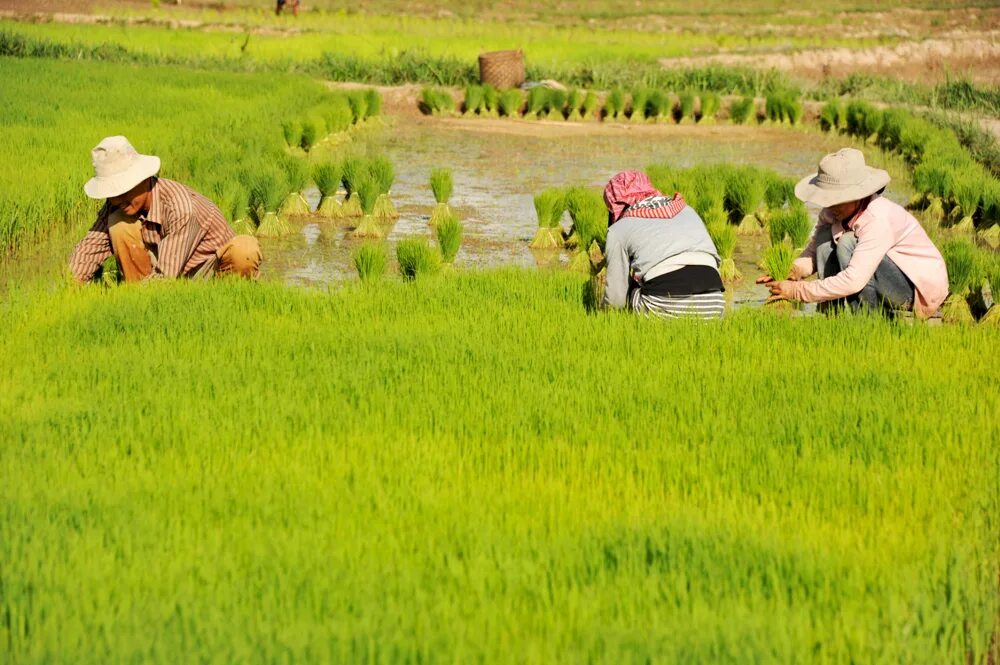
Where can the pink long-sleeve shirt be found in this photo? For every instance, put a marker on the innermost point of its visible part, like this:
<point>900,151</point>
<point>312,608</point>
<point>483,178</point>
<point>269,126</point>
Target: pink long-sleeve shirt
<point>883,229</point>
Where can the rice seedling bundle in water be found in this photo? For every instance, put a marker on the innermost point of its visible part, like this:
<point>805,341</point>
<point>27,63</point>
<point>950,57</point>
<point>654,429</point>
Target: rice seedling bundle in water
<point>239,211</point>
<point>265,198</point>
<point>354,171</point>
<point>992,270</point>
<point>368,192</point>
<point>538,97</point>
<point>313,129</point>
<point>511,102</point>
<point>416,257</point>
<point>863,119</point>
<point>328,176</point>
<point>710,103</point>
<point>475,97</point>
<point>358,99</point>
<point>829,115</point>
<point>491,101</point>
<point>684,112</point>
<point>574,103</point>
<point>659,106</point>
<point>590,107</point>
<point>967,188</point>
<point>745,198</point>
<point>384,175</point>
<point>449,236</point>
<point>292,131</point>
<point>724,236</point>
<point>370,260</point>
<point>799,224</point>
<point>441,186</point>
<point>297,177</point>
<point>960,259</point>
<point>705,187</point>
<point>936,181</point>
<point>590,227</point>
<point>778,190</point>
<point>555,105</point>
<point>640,99</point>
<point>741,110</point>
<point>549,207</point>
<point>614,105</point>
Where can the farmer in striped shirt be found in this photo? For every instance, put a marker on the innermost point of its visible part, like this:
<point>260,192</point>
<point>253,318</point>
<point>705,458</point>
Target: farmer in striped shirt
<point>660,257</point>
<point>155,227</point>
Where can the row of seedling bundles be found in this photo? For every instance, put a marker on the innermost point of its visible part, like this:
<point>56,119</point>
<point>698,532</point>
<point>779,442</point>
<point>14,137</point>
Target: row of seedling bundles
<point>338,114</point>
<point>951,187</point>
<point>261,198</point>
<point>587,232</point>
<point>414,255</point>
<point>973,283</point>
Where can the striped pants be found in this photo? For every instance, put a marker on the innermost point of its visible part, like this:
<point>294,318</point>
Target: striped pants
<point>709,305</point>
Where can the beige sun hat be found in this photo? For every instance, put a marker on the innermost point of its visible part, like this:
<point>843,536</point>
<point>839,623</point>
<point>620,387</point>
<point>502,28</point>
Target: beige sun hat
<point>118,168</point>
<point>843,176</point>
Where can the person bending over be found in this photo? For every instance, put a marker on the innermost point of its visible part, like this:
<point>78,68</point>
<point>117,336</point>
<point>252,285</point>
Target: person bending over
<point>660,258</point>
<point>868,252</point>
<point>154,227</point>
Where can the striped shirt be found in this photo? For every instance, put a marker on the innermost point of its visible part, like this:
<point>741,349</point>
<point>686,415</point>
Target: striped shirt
<point>182,229</point>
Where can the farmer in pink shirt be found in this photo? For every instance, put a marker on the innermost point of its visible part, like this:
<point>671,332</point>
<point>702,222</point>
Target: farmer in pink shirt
<point>867,251</point>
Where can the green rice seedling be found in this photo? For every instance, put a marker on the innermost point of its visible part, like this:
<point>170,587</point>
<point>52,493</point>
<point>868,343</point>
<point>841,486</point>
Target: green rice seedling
<point>829,115</point>
<point>110,272</point>
<point>384,174</point>
<point>614,105</point>
<point>798,225</point>
<point>589,214</point>
<point>437,101</point>
<point>475,98</point>
<point>370,260</point>
<point>538,98</point>
<point>441,186</point>
<point>777,261</point>
<point>684,111</point>
<point>416,258</point>
<point>658,106</point>
<point>967,188</point>
<point>639,104</point>
<point>783,106</point>
<point>297,177</point>
<point>354,170</point>
<point>936,181</point>
<point>511,102</point>
<point>373,101</point>
<point>337,115</point>
<point>745,191</point>
<point>292,131</point>
<point>705,187</point>
<point>265,199</point>
<point>741,110</point>
<point>234,202</point>
<point>549,207</point>
<point>590,107</point>
<point>863,119</point>
<point>491,101</point>
<point>778,190</point>
<point>367,187</point>
<point>555,105</point>
<point>992,273</point>
<point>724,237</point>
<point>449,237</point>
<point>710,103</point>
<point>313,129</point>
<point>358,100</point>
<point>327,177</point>
<point>960,259</point>
<point>893,121</point>
<point>574,102</point>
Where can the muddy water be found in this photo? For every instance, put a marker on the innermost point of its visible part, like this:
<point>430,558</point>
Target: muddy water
<point>497,166</point>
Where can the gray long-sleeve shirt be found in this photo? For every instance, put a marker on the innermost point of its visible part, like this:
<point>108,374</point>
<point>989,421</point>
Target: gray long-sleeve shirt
<point>635,245</point>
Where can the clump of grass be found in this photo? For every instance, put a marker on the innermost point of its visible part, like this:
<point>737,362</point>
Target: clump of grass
<point>367,187</point>
<point>491,102</point>
<point>384,175</point>
<point>475,99</point>
<point>590,107</point>
<point>741,110</point>
<point>511,102</point>
<point>449,237</point>
<point>370,260</point>
<point>437,101</point>
<point>441,186</point>
<point>684,111</point>
<point>555,104</point>
<point>549,207</point>
<point>297,177</point>
<point>614,105</point>
<point>745,191</point>
<point>640,97</point>
<point>265,198</point>
<point>292,131</point>
<point>724,236</point>
<point>538,97</point>
<point>960,259</point>
<point>327,177</point>
<point>710,103</point>
<point>416,257</point>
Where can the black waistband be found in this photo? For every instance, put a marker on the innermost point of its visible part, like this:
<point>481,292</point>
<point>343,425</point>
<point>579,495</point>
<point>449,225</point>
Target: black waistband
<point>685,281</point>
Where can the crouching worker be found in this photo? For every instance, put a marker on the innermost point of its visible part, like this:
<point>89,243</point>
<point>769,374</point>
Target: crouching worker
<point>868,252</point>
<point>155,227</point>
<point>660,258</point>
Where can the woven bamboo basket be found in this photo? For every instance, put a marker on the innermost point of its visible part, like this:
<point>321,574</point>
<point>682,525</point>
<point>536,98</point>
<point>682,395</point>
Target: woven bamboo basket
<point>502,69</point>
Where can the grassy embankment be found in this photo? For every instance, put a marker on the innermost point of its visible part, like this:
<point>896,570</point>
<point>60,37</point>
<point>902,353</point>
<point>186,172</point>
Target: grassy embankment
<point>473,468</point>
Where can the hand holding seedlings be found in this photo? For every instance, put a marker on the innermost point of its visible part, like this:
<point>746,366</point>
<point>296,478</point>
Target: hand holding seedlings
<point>780,290</point>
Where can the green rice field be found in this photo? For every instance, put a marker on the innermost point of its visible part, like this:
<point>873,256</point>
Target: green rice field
<point>415,439</point>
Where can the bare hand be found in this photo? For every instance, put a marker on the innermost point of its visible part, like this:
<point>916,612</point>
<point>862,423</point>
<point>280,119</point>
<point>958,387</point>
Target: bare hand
<point>779,290</point>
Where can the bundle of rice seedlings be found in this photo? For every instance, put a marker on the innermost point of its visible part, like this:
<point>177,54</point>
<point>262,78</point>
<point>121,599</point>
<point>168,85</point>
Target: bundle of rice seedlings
<point>367,188</point>
<point>590,107</point>
<point>292,131</point>
<point>327,176</point>
<point>706,187</point>
<point>511,102</point>
<point>475,98</point>
<point>555,105</point>
<point>640,97</point>
<point>449,237</point>
<point>549,207</point>
<point>416,258</point>
<point>829,115</point>
<point>741,110</point>
<point>437,101</point>
<point>313,129</point>
<point>491,102</point>
<point>658,107</point>
<point>297,177</point>
<point>441,186</point>
<point>239,215</point>
<point>863,119</point>
<point>265,198</point>
<point>590,227</point>
<point>710,103</point>
<point>783,106</point>
<point>538,97</point>
<point>744,198</point>
<point>614,105</point>
<point>574,100</point>
<point>354,170</point>
<point>960,259</point>
<point>890,134</point>
<point>110,272</point>
<point>684,112</point>
<point>374,102</point>
<point>777,264</point>
<point>384,175</point>
<point>935,181</point>
<point>338,115</point>
<point>370,260</point>
<point>992,270</point>
<point>778,190</point>
<point>724,236</point>
<point>967,188</point>
<point>359,105</point>
<point>798,224</point>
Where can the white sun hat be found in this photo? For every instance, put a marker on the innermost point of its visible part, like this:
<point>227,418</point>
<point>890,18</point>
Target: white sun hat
<point>842,176</point>
<point>118,168</point>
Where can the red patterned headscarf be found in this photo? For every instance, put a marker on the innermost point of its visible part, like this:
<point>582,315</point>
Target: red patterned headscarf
<point>628,188</point>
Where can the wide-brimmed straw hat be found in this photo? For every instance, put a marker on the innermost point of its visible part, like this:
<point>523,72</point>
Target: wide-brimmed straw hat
<point>118,168</point>
<point>843,176</point>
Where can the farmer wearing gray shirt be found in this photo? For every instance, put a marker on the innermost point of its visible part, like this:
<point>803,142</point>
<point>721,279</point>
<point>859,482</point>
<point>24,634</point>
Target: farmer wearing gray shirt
<point>660,257</point>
